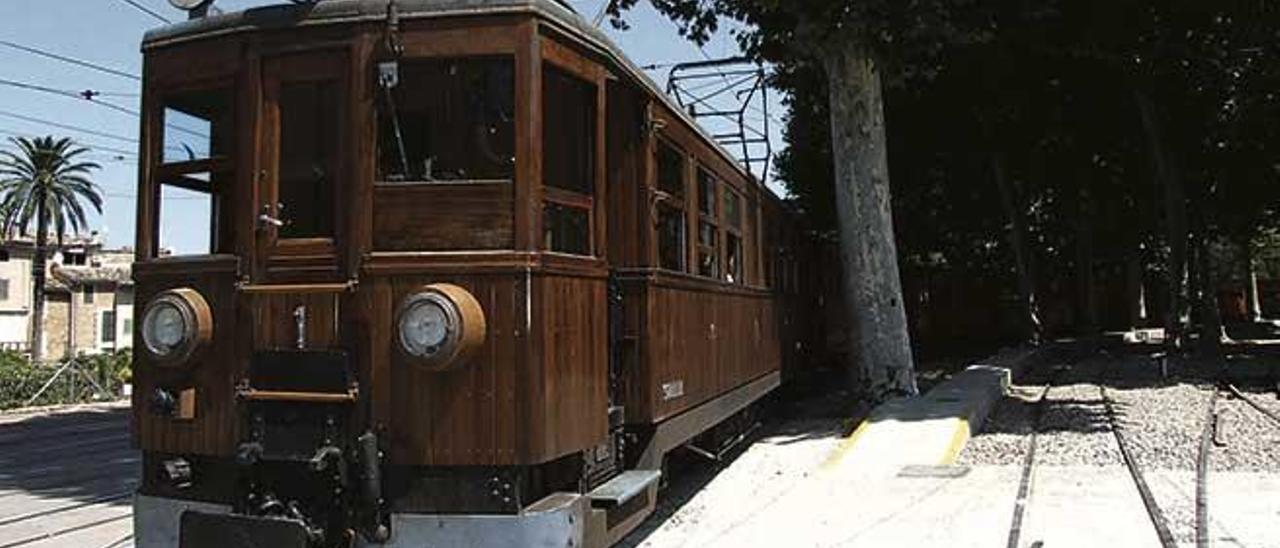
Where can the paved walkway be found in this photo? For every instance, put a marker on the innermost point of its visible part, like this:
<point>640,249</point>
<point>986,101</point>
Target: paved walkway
<point>892,483</point>
<point>67,479</point>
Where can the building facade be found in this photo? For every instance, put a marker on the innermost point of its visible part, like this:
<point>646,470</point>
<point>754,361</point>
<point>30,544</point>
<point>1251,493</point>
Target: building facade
<point>88,297</point>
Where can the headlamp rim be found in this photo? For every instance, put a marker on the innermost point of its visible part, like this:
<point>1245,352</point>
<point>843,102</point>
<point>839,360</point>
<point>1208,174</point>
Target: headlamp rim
<point>197,319</point>
<point>465,332</point>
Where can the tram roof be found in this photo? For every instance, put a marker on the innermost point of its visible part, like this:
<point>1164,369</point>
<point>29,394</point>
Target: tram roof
<point>329,12</point>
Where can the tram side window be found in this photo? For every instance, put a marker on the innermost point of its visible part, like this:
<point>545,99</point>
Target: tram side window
<point>448,120</point>
<point>308,158</point>
<point>568,160</point>
<point>194,172</point>
<point>733,236</point>
<point>671,218</point>
<point>708,229</point>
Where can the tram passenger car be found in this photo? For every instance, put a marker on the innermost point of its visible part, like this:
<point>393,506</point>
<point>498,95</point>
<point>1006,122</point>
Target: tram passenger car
<point>469,276</point>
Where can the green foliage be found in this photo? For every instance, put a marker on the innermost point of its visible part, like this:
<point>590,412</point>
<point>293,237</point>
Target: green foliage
<point>20,379</point>
<point>46,179</point>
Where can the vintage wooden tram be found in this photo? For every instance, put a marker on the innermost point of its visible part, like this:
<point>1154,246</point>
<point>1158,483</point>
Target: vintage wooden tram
<point>469,276</point>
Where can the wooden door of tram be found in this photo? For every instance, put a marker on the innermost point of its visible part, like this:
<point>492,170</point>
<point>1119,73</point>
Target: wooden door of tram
<point>297,280</point>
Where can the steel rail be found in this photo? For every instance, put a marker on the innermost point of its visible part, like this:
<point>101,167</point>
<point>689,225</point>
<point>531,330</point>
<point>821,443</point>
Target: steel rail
<point>1254,403</point>
<point>1024,484</point>
<point>1158,519</point>
<point>1207,435</point>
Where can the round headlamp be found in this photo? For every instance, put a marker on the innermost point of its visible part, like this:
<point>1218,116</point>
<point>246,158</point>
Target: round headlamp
<point>175,324</point>
<point>440,326</point>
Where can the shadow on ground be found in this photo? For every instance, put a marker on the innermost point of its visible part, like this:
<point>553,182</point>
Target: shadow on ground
<point>79,456</point>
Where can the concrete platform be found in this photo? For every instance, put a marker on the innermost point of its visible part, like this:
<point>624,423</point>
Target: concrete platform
<point>931,429</point>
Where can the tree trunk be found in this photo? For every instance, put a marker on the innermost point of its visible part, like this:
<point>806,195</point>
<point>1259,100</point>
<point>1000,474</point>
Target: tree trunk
<point>1087,304</point>
<point>1011,201</point>
<point>1135,290</point>
<point>1175,208</point>
<point>1211,332</point>
<point>882,359</point>
<point>1253,302</point>
<point>37,286</point>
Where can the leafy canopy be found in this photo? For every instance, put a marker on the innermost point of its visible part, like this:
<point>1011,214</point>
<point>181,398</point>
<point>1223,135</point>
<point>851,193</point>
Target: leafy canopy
<point>46,178</point>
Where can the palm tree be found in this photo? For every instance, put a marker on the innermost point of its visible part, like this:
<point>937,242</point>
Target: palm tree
<point>46,182</point>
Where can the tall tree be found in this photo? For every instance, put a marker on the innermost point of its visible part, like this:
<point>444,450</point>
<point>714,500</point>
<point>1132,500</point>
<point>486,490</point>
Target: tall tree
<point>858,43</point>
<point>44,182</point>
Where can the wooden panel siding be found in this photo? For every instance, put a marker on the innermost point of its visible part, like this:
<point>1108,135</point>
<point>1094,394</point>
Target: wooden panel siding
<point>212,372</point>
<point>570,326</point>
<point>277,327</point>
<point>710,340</point>
<point>464,416</point>
<point>522,399</point>
<point>442,217</point>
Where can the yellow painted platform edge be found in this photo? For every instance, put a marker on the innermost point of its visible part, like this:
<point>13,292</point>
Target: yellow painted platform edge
<point>846,445</point>
<point>958,440</point>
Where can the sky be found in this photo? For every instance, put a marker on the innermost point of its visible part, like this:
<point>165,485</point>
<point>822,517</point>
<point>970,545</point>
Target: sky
<point>109,33</point>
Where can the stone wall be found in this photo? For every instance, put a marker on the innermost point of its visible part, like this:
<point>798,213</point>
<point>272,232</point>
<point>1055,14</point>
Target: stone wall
<point>88,321</point>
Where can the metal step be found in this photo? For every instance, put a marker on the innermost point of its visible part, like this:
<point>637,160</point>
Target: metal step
<point>623,488</point>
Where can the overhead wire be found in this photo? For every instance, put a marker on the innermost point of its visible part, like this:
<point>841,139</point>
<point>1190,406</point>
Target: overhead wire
<point>87,131</point>
<point>89,97</point>
<point>90,146</point>
<point>67,93</point>
<point>148,11</point>
<point>68,127</point>
<point>71,60</point>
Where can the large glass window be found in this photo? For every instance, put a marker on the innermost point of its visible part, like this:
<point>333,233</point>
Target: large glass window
<point>732,219</point>
<point>197,126</point>
<point>671,238</point>
<point>568,160</point>
<point>568,132</point>
<point>194,172</point>
<point>566,229</point>
<point>733,258</point>
<point>708,261</point>
<point>309,132</point>
<point>706,193</point>
<point>708,226</point>
<point>671,213</point>
<point>448,119</point>
<point>671,171</point>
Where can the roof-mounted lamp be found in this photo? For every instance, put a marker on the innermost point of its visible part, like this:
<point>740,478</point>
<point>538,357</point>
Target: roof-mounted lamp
<point>195,8</point>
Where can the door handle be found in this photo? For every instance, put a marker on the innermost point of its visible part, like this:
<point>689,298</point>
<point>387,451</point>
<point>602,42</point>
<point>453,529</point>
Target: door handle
<point>265,220</point>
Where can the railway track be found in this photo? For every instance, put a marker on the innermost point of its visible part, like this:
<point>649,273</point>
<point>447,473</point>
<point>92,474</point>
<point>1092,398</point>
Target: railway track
<point>1211,436</point>
<point>1028,463</point>
<point>1158,520</point>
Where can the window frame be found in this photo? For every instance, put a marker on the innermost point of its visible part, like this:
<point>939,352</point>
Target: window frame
<point>274,255</point>
<point>409,59</point>
<point>102,327</point>
<point>735,229</point>
<point>563,197</point>
<point>183,174</point>
<point>710,218</point>
<point>675,204</point>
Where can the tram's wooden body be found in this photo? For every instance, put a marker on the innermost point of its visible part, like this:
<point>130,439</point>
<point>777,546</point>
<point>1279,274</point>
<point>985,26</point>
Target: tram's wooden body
<point>624,314</point>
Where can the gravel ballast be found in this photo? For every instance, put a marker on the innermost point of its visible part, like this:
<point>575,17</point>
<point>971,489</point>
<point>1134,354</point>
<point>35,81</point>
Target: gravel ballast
<point>1161,418</point>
